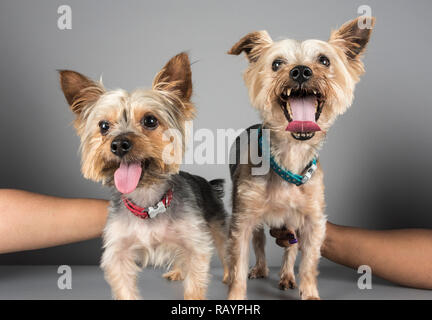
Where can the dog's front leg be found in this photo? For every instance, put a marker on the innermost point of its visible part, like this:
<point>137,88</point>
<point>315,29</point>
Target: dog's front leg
<point>238,251</point>
<point>311,238</point>
<point>120,269</point>
<point>195,256</point>
<point>197,275</point>
<point>287,277</point>
<point>260,270</point>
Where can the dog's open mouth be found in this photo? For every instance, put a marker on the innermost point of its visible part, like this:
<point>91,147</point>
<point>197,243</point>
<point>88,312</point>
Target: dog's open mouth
<point>302,108</point>
<point>128,175</point>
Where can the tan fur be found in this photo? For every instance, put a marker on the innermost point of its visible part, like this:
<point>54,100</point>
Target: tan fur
<point>168,100</point>
<point>176,274</point>
<point>287,276</point>
<point>219,235</point>
<point>252,44</point>
<point>260,270</point>
<point>268,199</point>
<point>164,242</point>
<point>182,239</point>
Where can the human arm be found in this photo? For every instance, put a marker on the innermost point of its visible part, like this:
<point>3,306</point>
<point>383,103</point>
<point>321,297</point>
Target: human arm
<point>32,221</point>
<point>403,256</point>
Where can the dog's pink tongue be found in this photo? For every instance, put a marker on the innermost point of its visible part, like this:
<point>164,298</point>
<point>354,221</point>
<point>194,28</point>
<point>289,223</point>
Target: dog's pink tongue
<point>303,114</point>
<point>127,176</point>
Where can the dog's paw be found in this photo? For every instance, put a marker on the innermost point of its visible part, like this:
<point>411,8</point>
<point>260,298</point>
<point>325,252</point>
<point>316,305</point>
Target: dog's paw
<point>196,293</point>
<point>126,296</point>
<point>311,294</point>
<point>304,297</point>
<point>258,272</point>
<point>173,275</point>
<point>236,296</point>
<point>194,297</point>
<point>287,282</point>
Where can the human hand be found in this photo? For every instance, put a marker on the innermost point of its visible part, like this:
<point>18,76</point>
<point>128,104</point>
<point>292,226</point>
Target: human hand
<point>284,237</point>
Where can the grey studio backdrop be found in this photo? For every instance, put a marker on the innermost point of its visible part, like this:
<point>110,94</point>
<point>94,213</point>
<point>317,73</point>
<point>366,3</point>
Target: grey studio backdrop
<point>376,159</point>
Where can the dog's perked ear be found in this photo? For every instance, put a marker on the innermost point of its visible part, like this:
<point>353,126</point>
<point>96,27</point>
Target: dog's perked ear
<point>176,76</point>
<point>252,45</point>
<point>79,90</point>
<point>353,36</point>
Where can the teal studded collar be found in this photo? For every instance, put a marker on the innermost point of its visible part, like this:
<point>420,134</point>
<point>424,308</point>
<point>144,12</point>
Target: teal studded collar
<point>285,174</point>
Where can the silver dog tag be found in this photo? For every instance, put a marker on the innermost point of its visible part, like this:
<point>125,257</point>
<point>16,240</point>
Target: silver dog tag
<point>154,211</point>
<point>309,173</point>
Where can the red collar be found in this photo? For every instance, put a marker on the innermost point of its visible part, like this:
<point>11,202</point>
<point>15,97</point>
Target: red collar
<point>150,212</point>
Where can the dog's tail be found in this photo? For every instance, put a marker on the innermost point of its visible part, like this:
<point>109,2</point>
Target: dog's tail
<point>218,187</point>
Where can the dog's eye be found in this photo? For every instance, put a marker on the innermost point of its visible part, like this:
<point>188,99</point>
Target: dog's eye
<point>324,60</point>
<point>149,122</point>
<point>277,64</point>
<point>104,127</point>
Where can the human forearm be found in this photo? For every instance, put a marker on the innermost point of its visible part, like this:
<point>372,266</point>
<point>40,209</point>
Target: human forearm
<point>401,256</point>
<point>31,221</point>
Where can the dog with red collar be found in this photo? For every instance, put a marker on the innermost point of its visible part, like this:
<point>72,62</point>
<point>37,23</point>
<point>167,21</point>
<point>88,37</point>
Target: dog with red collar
<point>158,215</point>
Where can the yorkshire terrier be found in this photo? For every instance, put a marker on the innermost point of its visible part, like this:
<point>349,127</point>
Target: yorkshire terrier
<point>299,89</point>
<point>158,215</point>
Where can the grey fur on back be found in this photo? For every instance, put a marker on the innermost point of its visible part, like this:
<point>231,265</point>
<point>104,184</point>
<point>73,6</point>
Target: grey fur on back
<point>208,195</point>
<point>236,148</point>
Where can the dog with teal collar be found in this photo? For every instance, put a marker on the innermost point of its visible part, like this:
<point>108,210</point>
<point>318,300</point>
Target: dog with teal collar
<point>285,174</point>
<point>299,89</point>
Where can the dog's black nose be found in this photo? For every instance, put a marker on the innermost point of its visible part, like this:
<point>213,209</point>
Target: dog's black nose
<point>301,74</point>
<point>120,146</point>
